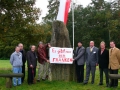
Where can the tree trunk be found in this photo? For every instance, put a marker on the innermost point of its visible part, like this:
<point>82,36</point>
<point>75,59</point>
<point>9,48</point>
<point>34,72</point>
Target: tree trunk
<point>60,38</point>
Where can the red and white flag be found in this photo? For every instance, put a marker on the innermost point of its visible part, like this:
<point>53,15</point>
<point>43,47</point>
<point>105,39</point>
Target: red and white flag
<point>63,10</point>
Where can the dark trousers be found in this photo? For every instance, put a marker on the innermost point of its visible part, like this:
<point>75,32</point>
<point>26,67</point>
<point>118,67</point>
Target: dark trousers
<point>114,82</point>
<point>31,75</point>
<point>89,69</point>
<point>80,73</point>
<point>105,70</point>
<point>23,71</point>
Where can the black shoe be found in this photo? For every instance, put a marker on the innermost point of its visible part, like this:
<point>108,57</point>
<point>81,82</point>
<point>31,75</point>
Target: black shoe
<point>110,85</point>
<point>107,85</point>
<point>115,86</point>
<point>100,83</point>
<point>85,83</point>
<point>43,79</point>
<point>29,83</point>
<point>19,84</point>
<point>79,81</point>
<point>38,80</point>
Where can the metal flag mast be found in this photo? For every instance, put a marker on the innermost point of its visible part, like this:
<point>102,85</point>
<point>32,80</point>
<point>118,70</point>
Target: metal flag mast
<point>73,20</point>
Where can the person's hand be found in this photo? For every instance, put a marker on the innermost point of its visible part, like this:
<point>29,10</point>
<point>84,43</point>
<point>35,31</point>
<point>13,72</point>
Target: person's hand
<point>36,66</point>
<point>31,66</point>
<point>119,66</point>
<point>96,64</point>
<point>73,59</point>
<point>48,61</point>
<point>49,45</point>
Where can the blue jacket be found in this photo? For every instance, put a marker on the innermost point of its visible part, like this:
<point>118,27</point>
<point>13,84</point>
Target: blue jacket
<point>16,59</point>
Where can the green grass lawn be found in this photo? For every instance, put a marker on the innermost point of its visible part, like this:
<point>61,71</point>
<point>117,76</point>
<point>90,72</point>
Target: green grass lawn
<point>50,85</point>
<point>5,64</point>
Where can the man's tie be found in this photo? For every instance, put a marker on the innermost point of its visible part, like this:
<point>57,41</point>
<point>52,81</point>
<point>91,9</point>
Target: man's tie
<point>111,50</point>
<point>90,49</point>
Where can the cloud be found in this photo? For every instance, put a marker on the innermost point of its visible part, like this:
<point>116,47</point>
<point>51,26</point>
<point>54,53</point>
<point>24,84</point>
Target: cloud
<point>42,4</point>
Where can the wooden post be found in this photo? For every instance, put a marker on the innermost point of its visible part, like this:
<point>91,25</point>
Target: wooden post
<point>60,38</point>
<point>9,78</point>
<point>8,82</point>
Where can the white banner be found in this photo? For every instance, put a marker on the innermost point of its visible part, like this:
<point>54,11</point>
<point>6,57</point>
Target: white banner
<point>61,55</point>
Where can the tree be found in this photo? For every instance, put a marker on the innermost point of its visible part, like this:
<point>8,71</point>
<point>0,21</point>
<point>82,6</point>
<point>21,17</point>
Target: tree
<point>18,25</point>
<point>50,16</point>
<point>98,21</point>
<point>52,11</point>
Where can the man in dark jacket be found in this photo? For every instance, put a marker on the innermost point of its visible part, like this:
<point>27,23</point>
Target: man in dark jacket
<point>103,61</point>
<point>32,63</point>
<point>80,61</point>
<point>20,45</point>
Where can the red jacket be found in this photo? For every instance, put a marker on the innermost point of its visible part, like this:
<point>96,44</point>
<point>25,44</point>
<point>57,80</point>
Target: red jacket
<point>42,54</point>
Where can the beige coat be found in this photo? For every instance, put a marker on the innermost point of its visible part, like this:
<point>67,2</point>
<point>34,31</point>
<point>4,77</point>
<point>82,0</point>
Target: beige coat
<point>114,58</point>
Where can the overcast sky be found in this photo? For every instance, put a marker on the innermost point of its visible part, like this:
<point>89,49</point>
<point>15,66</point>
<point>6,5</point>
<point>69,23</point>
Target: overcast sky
<point>42,4</point>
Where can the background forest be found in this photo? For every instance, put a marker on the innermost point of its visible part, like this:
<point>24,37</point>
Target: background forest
<point>99,21</point>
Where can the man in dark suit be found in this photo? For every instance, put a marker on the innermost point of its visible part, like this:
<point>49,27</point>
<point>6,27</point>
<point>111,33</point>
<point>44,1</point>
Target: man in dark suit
<point>32,63</point>
<point>20,45</point>
<point>91,61</point>
<point>79,61</point>
<point>103,61</point>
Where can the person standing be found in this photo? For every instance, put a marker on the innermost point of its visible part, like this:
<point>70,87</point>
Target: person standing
<point>79,61</point>
<point>32,63</point>
<point>23,60</point>
<point>114,62</point>
<point>16,62</point>
<point>91,62</point>
<point>103,61</point>
<point>43,60</point>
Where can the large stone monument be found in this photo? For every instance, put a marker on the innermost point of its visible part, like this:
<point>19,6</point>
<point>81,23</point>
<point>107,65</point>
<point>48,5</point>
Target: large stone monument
<point>60,38</point>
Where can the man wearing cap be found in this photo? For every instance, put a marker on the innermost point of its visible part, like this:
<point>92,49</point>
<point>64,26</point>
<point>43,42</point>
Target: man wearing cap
<point>91,57</point>
<point>42,59</point>
<point>79,61</point>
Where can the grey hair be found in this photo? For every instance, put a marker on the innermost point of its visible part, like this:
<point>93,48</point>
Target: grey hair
<point>19,44</point>
<point>92,41</point>
<point>31,46</point>
<point>40,42</point>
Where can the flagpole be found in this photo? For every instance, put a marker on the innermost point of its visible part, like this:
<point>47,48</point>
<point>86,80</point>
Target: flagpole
<point>73,20</point>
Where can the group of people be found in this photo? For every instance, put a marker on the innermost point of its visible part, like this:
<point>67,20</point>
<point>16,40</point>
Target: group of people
<point>19,58</point>
<point>107,60</point>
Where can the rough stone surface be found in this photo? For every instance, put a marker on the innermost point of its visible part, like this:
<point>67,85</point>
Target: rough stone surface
<point>60,38</point>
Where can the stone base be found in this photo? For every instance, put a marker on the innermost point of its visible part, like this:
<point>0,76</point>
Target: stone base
<point>62,72</point>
